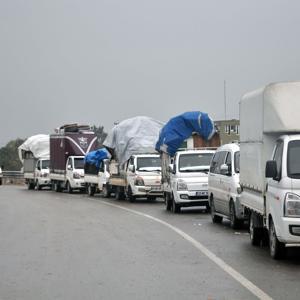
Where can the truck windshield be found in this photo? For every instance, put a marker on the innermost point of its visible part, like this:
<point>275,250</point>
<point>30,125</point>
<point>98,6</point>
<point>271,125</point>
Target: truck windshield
<point>293,160</point>
<point>149,163</point>
<point>78,163</point>
<point>45,164</point>
<point>194,162</point>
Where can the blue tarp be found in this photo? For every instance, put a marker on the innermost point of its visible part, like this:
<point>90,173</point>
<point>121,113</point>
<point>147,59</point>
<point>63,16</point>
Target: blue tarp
<point>181,127</point>
<point>95,157</point>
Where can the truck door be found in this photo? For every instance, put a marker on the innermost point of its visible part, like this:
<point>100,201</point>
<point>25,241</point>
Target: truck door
<point>273,195</point>
<point>38,169</point>
<point>225,185</point>
<point>131,171</point>
<point>69,168</point>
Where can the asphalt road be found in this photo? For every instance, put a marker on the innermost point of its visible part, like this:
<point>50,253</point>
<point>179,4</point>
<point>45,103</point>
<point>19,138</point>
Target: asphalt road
<point>61,246</point>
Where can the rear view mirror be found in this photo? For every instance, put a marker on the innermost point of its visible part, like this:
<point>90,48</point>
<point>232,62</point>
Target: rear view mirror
<point>69,167</point>
<point>170,169</point>
<point>271,169</point>
<point>131,168</point>
<point>224,169</point>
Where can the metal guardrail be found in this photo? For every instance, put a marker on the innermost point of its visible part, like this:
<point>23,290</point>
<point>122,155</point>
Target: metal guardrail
<point>13,174</point>
<point>12,177</point>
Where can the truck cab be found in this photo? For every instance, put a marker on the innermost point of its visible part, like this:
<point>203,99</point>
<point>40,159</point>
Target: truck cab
<point>41,174</point>
<point>143,176</point>
<point>189,179</point>
<point>75,173</point>
<point>283,192</point>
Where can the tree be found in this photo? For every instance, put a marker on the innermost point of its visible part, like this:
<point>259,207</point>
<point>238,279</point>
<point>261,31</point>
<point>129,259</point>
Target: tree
<point>9,157</point>
<point>100,133</point>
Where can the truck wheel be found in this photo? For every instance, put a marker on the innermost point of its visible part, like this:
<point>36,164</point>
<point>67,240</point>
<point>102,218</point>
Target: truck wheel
<point>119,195</point>
<point>30,185</point>
<point>69,188</point>
<point>106,191</point>
<point>215,218</point>
<point>255,233</point>
<point>57,187</point>
<point>91,190</point>
<point>235,223</point>
<point>38,186</point>
<point>175,207</point>
<point>168,201</point>
<point>130,196</point>
<point>277,248</point>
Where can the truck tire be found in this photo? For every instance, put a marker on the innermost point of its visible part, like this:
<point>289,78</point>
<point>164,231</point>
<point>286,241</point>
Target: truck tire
<point>277,248</point>
<point>129,195</point>
<point>119,195</point>
<point>57,187</point>
<point>69,188</point>
<point>106,191</point>
<point>215,218</point>
<point>91,190</point>
<point>255,233</point>
<point>175,207</point>
<point>38,186</point>
<point>168,201</point>
<point>30,185</point>
<point>235,223</point>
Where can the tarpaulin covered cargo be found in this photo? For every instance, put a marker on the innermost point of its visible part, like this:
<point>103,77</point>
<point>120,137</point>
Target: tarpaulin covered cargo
<point>93,160</point>
<point>137,135</point>
<point>181,127</point>
<point>37,146</point>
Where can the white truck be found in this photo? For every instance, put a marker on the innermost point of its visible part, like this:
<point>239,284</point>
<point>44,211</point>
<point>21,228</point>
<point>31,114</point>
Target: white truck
<point>138,178</point>
<point>34,154</point>
<point>135,166</point>
<point>188,182</point>
<point>68,146</point>
<point>270,165</point>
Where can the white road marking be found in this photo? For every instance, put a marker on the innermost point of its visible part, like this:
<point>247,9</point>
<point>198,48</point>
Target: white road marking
<point>255,290</point>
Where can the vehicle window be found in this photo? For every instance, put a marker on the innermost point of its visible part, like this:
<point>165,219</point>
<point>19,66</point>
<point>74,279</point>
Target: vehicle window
<point>278,158</point>
<point>38,166</point>
<point>45,164</point>
<point>237,162</point>
<point>293,160</point>
<point>131,161</point>
<point>221,161</point>
<point>214,162</point>
<point>148,163</point>
<point>228,162</point>
<point>78,163</point>
<point>194,162</point>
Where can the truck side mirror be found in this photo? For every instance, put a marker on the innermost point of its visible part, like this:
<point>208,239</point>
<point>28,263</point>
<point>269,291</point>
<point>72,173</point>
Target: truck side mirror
<point>174,169</point>
<point>131,168</point>
<point>69,167</point>
<point>224,169</point>
<point>271,169</point>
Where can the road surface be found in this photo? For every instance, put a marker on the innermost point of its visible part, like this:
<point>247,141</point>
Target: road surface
<point>71,246</point>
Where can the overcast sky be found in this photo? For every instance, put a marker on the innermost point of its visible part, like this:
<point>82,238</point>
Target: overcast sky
<point>102,61</point>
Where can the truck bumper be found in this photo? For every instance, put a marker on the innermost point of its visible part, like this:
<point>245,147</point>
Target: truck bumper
<point>144,191</point>
<point>289,230</point>
<point>191,198</point>
<point>44,181</point>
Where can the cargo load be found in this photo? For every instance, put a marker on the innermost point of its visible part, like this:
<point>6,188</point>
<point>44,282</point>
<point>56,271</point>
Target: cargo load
<point>93,159</point>
<point>133,136</point>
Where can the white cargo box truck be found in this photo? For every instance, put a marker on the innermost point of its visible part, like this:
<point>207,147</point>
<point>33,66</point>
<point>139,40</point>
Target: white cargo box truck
<point>270,164</point>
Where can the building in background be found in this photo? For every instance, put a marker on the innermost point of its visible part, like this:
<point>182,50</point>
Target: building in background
<point>227,131</point>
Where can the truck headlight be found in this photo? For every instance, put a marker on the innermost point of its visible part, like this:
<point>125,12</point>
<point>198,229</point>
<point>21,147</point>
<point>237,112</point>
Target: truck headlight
<point>76,175</point>
<point>292,205</point>
<point>181,185</point>
<point>139,181</point>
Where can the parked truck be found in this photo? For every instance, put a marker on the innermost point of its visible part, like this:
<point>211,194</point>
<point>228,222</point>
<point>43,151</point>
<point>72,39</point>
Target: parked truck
<point>68,146</point>
<point>270,165</point>
<point>134,170</point>
<point>34,154</point>
<point>185,173</point>
<point>96,171</point>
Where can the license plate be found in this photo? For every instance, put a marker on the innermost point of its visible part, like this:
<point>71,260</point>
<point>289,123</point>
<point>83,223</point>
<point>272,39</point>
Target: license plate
<point>202,193</point>
<point>156,188</point>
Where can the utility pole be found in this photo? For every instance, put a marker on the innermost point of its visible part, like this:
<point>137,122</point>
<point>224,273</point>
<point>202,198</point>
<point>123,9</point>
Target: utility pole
<point>225,107</point>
